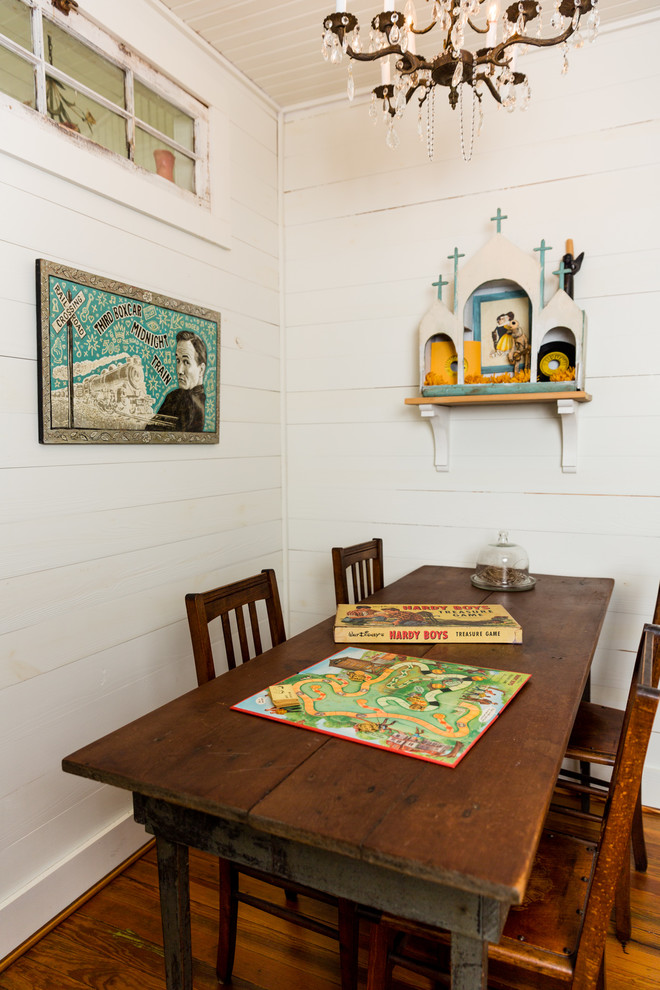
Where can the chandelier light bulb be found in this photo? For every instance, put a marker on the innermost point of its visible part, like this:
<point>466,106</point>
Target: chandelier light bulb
<point>493,14</point>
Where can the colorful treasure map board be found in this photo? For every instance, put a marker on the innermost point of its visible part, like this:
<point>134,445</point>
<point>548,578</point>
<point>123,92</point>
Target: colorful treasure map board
<point>427,709</point>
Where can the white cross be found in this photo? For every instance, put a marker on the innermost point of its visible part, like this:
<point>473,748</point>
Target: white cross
<point>68,314</point>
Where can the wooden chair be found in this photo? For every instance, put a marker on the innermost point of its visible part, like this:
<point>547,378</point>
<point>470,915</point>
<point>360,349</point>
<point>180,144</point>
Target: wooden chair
<point>365,563</point>
<point>556,938</point>
<point>223,603</point>
<point>594,739</point>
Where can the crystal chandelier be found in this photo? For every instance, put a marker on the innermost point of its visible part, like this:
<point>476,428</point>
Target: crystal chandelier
<point>470,71</point>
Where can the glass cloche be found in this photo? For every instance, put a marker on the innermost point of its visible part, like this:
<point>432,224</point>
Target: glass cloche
<point>503,566</point>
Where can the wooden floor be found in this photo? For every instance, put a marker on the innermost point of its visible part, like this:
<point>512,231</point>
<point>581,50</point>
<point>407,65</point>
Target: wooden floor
<point>114,941</point>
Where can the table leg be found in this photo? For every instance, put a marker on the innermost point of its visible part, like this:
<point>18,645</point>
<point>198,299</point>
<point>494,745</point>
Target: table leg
<point>175,913</point>
<point>469,963</point>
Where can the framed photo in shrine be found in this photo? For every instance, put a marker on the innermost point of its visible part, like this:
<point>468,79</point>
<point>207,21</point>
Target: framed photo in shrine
<point>499,317</point>
<point>120,364</point>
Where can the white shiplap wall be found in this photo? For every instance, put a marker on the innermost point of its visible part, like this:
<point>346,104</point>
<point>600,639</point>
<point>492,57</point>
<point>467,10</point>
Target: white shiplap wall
<point>100,544</point>
<point>367,232</point>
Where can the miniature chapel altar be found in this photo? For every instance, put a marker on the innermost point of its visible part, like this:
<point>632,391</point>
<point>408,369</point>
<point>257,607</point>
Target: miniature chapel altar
<point>502,341</point>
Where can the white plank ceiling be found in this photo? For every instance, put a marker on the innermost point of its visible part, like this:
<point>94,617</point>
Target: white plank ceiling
<point>278,45</point>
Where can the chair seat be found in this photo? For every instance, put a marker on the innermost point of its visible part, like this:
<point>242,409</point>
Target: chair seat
<point>595,735</point>
<point>541,935</point>
<point>549,920</point>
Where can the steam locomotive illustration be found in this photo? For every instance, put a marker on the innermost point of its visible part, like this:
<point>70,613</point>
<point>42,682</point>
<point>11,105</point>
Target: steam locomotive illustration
<point>119,388</point>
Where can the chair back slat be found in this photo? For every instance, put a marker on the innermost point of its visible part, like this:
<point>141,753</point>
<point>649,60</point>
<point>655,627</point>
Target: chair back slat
<point>364,563</point>
<point>203,607</point>
<point>229,644</point>
<point>242,634</point>
<point>614,839</point>
<point>254,625</point>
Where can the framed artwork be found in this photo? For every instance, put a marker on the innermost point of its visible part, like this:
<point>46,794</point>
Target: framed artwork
<point>118,364</point>
<point>502,319</point>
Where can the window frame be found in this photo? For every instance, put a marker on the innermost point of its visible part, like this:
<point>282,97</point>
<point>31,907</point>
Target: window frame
<point>18,138</point>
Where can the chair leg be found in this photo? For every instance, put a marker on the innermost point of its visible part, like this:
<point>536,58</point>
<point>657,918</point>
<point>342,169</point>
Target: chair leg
<point>637,836</point>
<point>228,904</point>
<point>378,969</point>
<point>585,770</point>
<point>349,937</point>
<point>622,921</point>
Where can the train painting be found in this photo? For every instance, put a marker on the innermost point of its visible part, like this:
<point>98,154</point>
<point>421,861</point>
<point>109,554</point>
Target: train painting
<point>118,364</point>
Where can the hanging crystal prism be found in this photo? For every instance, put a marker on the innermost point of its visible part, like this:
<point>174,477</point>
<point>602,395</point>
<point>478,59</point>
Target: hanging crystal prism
<point>350,82</point>
<point>373,109</point>
<point>525,95</point>
<point>392,138</point>
<point>593,23</point>
<point>564,68</point>
<point>356,43</point>
<point>458,75</point>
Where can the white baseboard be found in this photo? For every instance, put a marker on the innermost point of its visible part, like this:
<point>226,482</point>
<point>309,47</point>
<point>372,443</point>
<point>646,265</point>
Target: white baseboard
<point>34,906</point>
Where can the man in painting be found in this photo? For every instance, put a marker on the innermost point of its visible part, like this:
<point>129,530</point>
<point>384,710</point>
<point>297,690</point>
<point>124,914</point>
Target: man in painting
<point>183,409</point>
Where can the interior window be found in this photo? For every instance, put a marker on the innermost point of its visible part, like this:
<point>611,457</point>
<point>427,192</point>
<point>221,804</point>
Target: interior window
<point>92,94</point>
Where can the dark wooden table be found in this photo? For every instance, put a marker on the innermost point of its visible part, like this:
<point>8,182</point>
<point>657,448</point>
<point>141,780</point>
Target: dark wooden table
<point>451,847</point>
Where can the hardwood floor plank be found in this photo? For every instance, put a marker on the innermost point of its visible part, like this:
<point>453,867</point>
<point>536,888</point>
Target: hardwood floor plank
<point>114,940</point>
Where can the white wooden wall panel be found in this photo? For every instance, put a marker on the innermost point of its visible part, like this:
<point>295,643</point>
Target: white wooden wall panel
<point>102,543</point>
<point>367,232</point>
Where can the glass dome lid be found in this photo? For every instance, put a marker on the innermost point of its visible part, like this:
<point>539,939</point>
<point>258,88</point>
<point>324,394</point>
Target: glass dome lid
<point>503,566</point>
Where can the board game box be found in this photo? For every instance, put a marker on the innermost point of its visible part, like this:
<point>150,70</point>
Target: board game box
<point>425,624</point>
<point>426,709</point>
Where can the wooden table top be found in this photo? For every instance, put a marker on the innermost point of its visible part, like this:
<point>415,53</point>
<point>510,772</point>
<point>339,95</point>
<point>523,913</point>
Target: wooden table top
<point>475,826</point>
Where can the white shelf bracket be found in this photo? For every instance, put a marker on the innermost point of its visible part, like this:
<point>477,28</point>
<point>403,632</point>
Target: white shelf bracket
<point>567,410</point>
<point>439,418</point>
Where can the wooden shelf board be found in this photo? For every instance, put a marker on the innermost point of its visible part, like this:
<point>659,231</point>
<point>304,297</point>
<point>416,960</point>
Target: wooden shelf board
<point>473,400</point>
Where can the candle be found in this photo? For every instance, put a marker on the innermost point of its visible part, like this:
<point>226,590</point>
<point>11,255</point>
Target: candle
<point>388,5</point>
<point>412,41</point>
<point>491,37</point>
<point>340,7</point>
<point>569,247</point>
<point>385,71</point>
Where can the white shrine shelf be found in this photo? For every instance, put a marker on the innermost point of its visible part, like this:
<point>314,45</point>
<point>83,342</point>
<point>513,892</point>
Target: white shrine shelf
<point>437,409</point>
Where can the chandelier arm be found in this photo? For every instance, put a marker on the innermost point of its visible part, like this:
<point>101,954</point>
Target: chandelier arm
<point>493,92</point>
<point>372,56</point>
<point>425,30</point>
<point>413,89</point>
<point>521,39</point>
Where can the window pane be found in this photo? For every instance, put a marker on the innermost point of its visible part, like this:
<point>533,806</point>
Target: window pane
<point>15,22</point>
<point>149,150</point>
<point>16,77</point>
<point>81,63</point>
<point>166,118</point>
<point>80,113</point>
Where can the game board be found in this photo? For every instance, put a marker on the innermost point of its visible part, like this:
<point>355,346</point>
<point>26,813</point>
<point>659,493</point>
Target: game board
<point>423,708</point>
